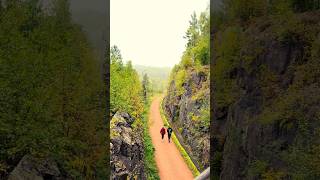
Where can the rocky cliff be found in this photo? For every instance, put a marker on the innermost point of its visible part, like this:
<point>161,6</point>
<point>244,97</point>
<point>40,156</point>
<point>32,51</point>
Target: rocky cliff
<point>187,107</point>
<point>267,92</point>
<point>32,168</point>
<point>126,148</point>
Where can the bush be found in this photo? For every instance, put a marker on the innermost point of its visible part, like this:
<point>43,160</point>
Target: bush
<point>180,79</point>
<point>245,9</point>
<point>228,58</point>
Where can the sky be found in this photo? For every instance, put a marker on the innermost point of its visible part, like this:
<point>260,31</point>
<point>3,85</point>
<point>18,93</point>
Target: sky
<point>150,32</point>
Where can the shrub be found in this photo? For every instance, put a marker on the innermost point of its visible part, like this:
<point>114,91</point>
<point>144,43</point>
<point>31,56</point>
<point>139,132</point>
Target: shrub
<point>228,58</point>
<point>257,168</point>
<point>180,79</point>
<point>150,164</point>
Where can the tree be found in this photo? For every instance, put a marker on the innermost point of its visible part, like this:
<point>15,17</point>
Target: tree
<point>51,91</point>
<point>115,53</point>
<point>145,86</point>
<point>192,33</point>
<point>125,86</point>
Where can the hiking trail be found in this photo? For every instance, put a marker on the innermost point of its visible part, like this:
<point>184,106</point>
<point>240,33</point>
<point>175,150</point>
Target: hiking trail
<point>170,164</point>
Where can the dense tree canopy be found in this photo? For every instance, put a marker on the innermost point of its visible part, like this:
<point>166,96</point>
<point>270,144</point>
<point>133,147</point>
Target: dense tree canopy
<point>125,86</point>
<point>51,91</point>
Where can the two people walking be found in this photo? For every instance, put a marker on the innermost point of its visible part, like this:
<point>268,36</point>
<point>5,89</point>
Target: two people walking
<point>163,132</point>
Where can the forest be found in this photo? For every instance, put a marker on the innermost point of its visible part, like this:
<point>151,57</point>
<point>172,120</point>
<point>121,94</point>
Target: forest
<point>265,57</point>
<point>51,95</point>
<point>187,99</point>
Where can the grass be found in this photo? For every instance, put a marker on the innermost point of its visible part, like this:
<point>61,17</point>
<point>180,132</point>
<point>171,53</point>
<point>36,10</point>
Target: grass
<point>150,164</point>
<point>183,152</point>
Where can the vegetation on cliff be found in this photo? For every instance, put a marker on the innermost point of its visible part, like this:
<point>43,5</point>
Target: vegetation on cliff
<point>183,152</point>
<point>51,91</point>
<point>265,121</point>
<point>186,102</point>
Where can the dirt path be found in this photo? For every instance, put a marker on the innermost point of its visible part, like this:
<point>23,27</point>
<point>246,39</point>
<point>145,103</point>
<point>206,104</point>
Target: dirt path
<point>170,163</point>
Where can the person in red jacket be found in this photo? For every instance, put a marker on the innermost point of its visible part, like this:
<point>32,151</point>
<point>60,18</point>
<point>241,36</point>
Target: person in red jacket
<point>163,132</point>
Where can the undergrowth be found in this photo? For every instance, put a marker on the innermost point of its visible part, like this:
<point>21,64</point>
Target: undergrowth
<point>150,164</point>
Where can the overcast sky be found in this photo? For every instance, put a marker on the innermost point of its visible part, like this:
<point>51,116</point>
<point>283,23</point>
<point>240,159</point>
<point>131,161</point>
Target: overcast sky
<point>150,32</point>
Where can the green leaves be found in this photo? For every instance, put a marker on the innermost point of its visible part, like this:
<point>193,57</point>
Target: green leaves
<point>228,57</point>
<point>125,86</point>
<point>50,89</point>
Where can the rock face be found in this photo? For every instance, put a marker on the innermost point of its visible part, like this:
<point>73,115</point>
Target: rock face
<point>126,149</point>
<point>30,168</point>
<point>185,111</point>
<point>269,129</point>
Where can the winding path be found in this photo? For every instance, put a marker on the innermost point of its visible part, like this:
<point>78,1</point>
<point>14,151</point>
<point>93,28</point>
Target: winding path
<point>170,163</point>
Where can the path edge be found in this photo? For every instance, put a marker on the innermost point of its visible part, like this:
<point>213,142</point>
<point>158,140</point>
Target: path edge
<point>182,151</point>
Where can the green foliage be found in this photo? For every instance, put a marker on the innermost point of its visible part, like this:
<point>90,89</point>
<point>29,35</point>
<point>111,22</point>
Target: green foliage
<point>187,60</point>
<point>115,55</point>
<point>146,87</point>
<point>199,42</point>
<point>298,107</point>
<point>125,87</point>
<point>288,99</point>
<point>228,58</point>
<point>303,162</point>
<point>128,94</point>
<point>192,33</point>
<point>257,168</point>
<point>245,9</point>
<point>51,91</point>
<point>180,79</point>
<point>281,8</point>
<point>273,175</point>
<point>192,74</point>
<point>205,116</point>
<point>150,164</point>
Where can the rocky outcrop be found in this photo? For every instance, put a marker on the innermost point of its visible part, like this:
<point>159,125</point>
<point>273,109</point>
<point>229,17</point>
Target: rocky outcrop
<point>126,149</point>
<point>185,111</point>
<point>31,168</point>
<point>269,129</point>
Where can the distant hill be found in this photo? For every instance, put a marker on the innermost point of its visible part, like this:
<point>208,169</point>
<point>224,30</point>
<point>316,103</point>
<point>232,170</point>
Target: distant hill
<point>157,75</point>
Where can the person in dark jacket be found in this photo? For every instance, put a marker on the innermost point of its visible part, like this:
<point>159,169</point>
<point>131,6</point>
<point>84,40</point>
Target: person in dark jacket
<point>163,132</point>
<point>169,130</point>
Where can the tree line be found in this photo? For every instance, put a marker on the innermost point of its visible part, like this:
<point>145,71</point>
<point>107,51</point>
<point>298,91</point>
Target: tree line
<point>233,10</point>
